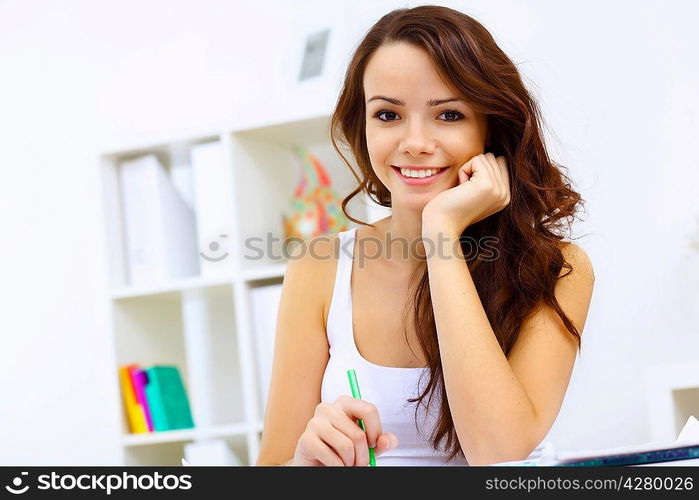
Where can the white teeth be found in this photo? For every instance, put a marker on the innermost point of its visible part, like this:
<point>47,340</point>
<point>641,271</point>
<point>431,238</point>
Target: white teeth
<point>419,174</point>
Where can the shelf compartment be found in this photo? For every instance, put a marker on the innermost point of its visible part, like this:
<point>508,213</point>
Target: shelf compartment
<point>211,346</point>
<point>265,172</point>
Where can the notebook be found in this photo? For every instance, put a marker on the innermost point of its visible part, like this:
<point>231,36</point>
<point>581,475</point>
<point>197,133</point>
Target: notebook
<point>681,452</point>
<point>675,452</point>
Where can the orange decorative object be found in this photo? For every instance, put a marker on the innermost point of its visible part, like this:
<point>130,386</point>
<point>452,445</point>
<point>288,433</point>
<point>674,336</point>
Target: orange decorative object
<point>315,207</point>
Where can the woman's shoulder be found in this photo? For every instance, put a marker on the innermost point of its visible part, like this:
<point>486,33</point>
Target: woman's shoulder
<point>578,259</point>
<point>314,251</point>
<point>315,262</point>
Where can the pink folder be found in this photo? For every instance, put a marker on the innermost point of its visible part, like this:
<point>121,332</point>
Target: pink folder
<point>139,379</point>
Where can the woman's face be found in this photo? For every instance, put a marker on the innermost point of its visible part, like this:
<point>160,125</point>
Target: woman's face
<point>416,133</point>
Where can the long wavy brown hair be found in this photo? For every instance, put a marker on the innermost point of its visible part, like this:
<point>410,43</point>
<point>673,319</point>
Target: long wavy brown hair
<point>543,203</point>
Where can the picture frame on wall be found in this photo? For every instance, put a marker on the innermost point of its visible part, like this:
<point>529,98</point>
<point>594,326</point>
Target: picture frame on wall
<point>314,56</point>
<point>313,63</point>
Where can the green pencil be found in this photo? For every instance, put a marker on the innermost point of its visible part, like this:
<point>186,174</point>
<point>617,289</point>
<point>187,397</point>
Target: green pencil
<point>354,386</point>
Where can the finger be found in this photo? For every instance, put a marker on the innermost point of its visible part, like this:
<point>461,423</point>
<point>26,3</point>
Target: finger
<point>499,185</point>
<point>349,428</point>
<point>481,172</point>
<point>489,160</point>
<point>324,453</point>
<point>467,168</point>
<point>496,168</point>
<point>463,176</point>
<point>466,171</point>
<point>505,172</point>
<point>335,416</point>
<point>360,409</point>
<point>387,441</point>
<point>340,443</point>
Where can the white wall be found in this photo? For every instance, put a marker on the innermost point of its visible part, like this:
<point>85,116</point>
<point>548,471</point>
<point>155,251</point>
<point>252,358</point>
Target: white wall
<point>617,84</point>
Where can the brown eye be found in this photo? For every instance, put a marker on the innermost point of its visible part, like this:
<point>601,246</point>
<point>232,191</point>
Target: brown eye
<point>452,112</point>
<point>385,111</point>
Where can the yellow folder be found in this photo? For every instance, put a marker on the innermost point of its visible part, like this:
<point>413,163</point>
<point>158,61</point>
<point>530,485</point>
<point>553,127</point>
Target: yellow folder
<point>134,411</point>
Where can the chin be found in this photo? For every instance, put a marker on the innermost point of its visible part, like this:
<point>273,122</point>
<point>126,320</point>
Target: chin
<point>413,203</point>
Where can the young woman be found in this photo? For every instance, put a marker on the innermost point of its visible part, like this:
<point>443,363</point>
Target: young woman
<point>464,344</point>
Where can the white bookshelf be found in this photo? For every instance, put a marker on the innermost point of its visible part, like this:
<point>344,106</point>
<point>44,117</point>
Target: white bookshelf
<point>203,324</point>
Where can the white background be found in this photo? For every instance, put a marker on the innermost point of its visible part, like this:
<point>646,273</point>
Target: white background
<point>617,83</point>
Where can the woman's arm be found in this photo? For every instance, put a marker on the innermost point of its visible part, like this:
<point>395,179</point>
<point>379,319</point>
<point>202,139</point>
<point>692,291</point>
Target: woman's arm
<point>502,408</point>
<point>300,354</point>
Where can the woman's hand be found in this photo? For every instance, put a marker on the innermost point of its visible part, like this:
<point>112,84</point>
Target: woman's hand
<point>484,189</point>
<point>333,437</point>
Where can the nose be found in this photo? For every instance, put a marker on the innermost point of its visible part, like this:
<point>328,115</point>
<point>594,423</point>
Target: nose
<point>418,139</point>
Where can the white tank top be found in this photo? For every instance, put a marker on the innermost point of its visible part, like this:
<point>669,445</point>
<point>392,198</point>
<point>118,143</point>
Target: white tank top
<point>387,388</point>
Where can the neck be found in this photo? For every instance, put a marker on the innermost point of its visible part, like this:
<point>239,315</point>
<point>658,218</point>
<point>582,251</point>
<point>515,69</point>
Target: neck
<point>404,225</point>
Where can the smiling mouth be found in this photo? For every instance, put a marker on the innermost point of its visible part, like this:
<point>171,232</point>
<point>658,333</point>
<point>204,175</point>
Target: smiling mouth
<point>420,180</point>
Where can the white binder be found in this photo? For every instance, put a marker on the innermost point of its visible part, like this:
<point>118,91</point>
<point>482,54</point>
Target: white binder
<point>159,227</point>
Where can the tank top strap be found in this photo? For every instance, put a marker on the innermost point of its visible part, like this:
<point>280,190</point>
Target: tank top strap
<point>339,327</point>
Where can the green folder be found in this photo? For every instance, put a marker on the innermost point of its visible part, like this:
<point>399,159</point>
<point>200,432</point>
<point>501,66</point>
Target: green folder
<point>167,399</point>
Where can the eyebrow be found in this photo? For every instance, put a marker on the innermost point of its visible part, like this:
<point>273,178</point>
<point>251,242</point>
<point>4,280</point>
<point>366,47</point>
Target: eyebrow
<point>433,102</point>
